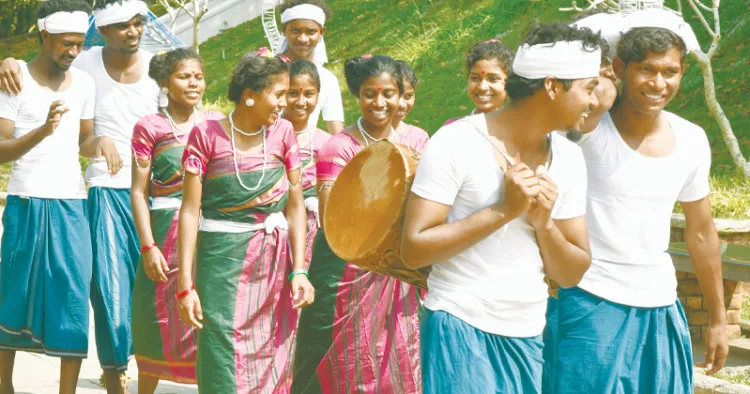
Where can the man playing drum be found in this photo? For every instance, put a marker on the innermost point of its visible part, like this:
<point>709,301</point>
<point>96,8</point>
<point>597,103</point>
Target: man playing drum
<point>497,201</point>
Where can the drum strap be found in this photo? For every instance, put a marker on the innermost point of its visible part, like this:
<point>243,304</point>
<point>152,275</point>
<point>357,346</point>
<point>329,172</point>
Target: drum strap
<point>509,159</point>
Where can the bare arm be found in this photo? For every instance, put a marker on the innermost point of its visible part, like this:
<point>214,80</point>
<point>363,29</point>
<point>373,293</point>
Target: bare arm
<point>705,254</point>
<point>11,78</point>
<point>564,246</point>
<point>427,239</point>
<point>187,233</point>
<point>296,215</point>
<point>334,126</point>
<point>95,147</point>
<point>324,189</point>
<point>153,261</point>
<point>12,149</point>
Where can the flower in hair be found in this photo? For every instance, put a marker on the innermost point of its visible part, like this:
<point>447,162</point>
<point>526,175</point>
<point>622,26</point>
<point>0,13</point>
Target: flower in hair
<point>285,59</point>
<point>265,52</point>
<point>367,56</point>
<point>492,41</point>
<point>162,53</point>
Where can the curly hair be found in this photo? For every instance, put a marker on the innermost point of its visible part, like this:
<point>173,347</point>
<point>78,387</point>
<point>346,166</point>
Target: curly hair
<point>635,45</point>
<point>357,70</point>
<point>47,8</point>
<point>256,73</point>
<point>305,67</point>
<point>536,33</point>
<point>318,3</point>
<point>408,73</point>
<point>163,65</point>
<point>490,50</point>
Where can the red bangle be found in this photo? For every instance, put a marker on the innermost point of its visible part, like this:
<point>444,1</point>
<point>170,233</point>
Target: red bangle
<point>184,293</point>
<point>146,248</point>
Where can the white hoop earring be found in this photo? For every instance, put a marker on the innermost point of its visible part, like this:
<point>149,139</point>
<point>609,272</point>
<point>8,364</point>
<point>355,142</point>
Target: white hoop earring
<point>249,102</point>
<point>163,98</point>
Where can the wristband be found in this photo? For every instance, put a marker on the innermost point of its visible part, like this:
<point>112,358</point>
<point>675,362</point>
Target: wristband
<point>185,293</point>
<point>146,248</point>
<point>297,272</point>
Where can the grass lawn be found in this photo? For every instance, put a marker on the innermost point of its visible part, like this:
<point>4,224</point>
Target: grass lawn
<point>433,35</point>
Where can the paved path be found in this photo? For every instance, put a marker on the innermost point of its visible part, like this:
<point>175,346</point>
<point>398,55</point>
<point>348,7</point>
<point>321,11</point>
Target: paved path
<point>39,374</point>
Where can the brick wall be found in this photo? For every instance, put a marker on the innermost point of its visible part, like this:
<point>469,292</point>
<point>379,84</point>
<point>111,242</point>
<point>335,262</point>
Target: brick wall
<point>691,297</point>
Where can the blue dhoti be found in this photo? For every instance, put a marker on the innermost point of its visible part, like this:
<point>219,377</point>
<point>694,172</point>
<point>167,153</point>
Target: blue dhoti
<point>45,269</point>
<point>604,347</point>
<point>550,346</point>
<point>458,358</point>
<point>116,253</point>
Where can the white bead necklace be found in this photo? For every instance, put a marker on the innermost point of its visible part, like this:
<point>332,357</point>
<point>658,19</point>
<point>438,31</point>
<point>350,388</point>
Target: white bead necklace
<point>365,135</point>
<point>173,124</point>
<point>312,143</point>
<point>234,153</point>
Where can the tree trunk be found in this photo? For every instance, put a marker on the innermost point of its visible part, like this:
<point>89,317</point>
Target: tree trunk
<point>196,27</point>
<point>717,112</point>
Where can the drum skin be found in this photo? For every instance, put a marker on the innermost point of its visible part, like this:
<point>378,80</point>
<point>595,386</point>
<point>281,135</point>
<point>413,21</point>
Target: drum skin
<point>365,210</point>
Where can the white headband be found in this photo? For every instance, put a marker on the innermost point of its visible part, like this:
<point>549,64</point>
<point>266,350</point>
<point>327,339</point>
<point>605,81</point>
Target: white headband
<point>611,27</point>
<point>562,59</point>
<point>310,12</point>
<point>119,12</point>
<point>65,22</point>
<point>665,20</point>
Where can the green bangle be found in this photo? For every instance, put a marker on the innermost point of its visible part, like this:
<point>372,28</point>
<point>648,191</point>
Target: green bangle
<point>297,272</point>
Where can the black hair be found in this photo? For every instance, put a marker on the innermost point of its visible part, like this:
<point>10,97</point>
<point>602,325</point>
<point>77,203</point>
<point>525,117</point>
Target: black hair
<point>490,50</point>
<point>603,44</point>
<point>318,3</point>
<point>520,87</point>
<point>49,7</point>
<point>408,73</point>
<point>101,4</point>
<point>305,67</point>
<point>635,45</point>
<point>164,64</point>
<point>357,70</point>
<point>256,73</point>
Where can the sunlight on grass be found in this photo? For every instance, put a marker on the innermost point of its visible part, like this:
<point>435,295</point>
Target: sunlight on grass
<point>741,376</point>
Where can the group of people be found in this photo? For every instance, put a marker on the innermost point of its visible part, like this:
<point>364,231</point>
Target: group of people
<point>201,249</point>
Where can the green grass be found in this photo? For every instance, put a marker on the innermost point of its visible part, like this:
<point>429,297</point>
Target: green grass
<point>433,35</point>
<point>739,376</point>
<point>746,308</point>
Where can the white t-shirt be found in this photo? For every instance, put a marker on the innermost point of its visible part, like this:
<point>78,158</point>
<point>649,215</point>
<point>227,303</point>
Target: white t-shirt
<point>630,201</point>
<point>50,169</point>
<point>329,99</point>
<point>498,284</point>
<point>118,109</point>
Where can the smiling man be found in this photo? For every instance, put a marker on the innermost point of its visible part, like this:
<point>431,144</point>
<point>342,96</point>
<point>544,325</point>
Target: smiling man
<point>45,272</point>
<point>303,27</point>
<point>498,200</point>
<point>124,94</point>
<point>622,329</point>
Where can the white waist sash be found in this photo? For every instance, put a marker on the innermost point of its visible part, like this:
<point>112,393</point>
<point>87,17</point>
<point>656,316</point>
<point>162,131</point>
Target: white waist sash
<point>273,221</point>
<point>311,203</point>
<point>165,203</point>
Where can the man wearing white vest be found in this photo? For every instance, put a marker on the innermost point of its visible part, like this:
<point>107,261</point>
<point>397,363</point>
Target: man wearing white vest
<point>124,94</point>
<point>622,329</point>
<point>45,272</point>
<point>498,200</point>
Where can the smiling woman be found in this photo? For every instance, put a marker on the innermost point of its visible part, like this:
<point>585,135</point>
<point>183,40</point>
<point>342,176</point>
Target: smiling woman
<point>303,28</point>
